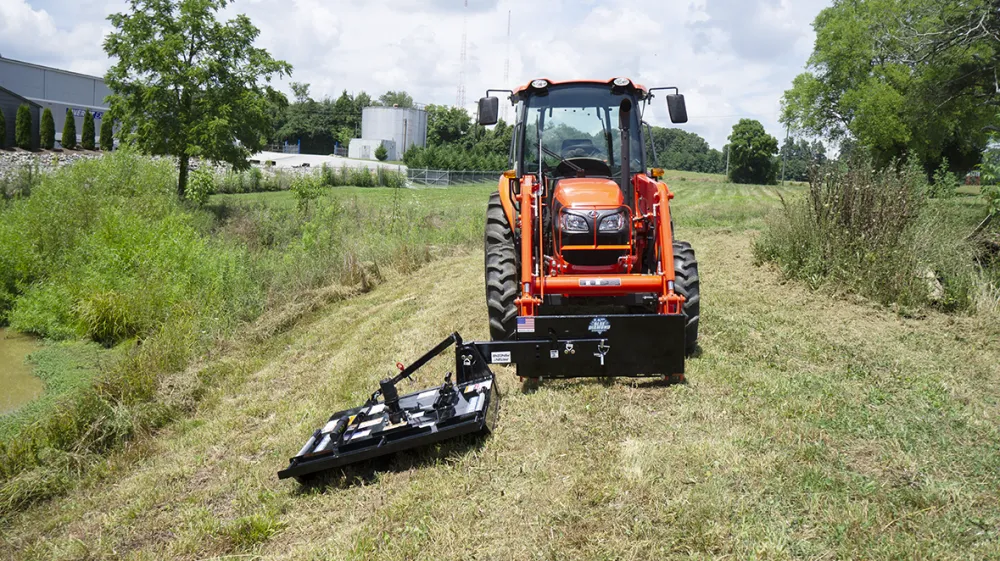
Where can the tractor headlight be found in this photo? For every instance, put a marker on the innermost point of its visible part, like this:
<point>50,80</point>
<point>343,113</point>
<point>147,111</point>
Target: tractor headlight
<point>612,222</point>
<point>574,224</point>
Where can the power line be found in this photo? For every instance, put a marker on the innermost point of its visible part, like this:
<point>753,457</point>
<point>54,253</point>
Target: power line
<point>461,64</point>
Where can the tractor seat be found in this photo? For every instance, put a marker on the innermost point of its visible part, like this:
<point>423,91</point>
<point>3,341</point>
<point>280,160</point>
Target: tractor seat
<point>579,148</point>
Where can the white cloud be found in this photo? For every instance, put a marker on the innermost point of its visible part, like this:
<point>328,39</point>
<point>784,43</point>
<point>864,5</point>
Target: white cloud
<point>731,58</point>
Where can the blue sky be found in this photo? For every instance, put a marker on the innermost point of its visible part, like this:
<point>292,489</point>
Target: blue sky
<point>731,58</point>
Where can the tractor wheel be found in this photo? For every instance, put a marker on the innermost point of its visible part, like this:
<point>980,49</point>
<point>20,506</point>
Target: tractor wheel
<point>501,272</point>
<point>686,284</point>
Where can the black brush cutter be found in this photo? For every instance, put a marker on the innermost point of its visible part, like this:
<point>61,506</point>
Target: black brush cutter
<point>396,423</point>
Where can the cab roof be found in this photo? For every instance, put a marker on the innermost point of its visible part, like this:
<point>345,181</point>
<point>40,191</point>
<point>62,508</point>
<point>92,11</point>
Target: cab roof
<point>521,89</point>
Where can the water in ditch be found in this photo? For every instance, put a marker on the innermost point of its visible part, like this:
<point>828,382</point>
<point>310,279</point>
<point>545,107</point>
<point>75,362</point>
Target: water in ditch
<point>17,385</point>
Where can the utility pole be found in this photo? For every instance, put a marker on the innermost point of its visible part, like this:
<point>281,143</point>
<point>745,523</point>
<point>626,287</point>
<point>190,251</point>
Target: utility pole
<point>783,157</point>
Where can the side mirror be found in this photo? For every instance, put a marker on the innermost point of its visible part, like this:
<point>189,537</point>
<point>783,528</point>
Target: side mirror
<point>678,111</point>
<point>489,108</point>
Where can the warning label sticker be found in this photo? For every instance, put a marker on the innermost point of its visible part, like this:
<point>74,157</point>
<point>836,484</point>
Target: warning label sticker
<point>502,357</point>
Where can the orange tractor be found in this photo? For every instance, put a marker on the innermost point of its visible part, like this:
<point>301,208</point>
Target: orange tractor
<point>583,275</point>
<point>580,249</point>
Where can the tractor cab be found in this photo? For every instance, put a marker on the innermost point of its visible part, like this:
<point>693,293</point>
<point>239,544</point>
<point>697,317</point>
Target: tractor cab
<point>568,137</point>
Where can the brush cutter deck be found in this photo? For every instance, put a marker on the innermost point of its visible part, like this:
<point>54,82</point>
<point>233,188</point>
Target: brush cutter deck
<point>547,346</point>
<point>396,423</point>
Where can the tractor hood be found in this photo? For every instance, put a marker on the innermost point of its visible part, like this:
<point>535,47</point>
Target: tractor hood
<point>576,192</point>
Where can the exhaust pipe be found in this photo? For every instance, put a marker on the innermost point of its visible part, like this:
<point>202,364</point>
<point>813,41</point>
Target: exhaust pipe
<point>624,123</point>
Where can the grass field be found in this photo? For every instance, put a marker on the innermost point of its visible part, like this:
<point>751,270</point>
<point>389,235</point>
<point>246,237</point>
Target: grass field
<point>811,427</point>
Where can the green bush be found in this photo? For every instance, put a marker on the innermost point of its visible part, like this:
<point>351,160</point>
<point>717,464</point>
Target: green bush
<point>944,182</point>
<point>19,183</point>
<point>87,138</point>
<point>69,131</point>
<point>381,154</point>
<point>47,130</point>
<point>200,187</point>
<point>107,133</point>
<point>307,188</point>
<point>22,128</point>
<point>856,228</point>
<point>103,249</point>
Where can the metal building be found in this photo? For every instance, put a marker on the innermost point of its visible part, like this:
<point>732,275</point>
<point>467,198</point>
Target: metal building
<point>364,149</point>
<point>10,102</point>
<point>406,127</point>
<point>56,89</point>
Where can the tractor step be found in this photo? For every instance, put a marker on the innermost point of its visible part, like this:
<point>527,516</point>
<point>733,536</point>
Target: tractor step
<point>397,423</point>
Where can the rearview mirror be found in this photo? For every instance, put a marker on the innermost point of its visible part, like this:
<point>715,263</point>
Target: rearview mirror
<point>489,108</point>
<point>678,111</point>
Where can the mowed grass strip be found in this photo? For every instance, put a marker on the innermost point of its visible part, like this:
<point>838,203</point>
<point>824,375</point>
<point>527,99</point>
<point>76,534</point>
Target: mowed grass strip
<point>811,427</point>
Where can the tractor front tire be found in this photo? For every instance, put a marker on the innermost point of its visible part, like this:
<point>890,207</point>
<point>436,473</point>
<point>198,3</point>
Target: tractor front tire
<point>687,285</point>
<point>501,272</point>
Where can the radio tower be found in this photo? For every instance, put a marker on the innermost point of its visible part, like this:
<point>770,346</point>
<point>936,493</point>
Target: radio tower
<point>506,69</point>
<point>460,98</point>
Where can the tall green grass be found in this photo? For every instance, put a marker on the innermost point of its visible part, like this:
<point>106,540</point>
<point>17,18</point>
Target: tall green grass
<point>104,251</point>
<point>874,232</point>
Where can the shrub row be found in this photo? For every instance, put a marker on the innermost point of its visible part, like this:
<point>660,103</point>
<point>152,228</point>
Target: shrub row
<point>255,180</point>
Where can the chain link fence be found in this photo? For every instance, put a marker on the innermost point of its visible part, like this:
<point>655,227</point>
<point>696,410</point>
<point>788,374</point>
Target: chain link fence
<point>450,177</point>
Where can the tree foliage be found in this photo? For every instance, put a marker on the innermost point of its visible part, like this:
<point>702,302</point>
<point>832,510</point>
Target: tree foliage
<point>799,157</point>
<point>69,131</point>
<point>107,133</point>
<point>902,77</point>
<point>188,85</point>
<point>395,99</point>
<point>751,153</point>
<point>47,130</point>
<point>682,150</point>
<point>381,154</point>
<point>22,127</point>
<point>87,137</point>
<point>454,142</point>
<point>322,125</point>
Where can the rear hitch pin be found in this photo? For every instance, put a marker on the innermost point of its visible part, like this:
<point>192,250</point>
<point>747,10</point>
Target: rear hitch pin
<point>602,350</point>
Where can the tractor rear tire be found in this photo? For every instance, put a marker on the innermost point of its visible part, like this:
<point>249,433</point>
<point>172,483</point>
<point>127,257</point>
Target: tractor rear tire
<point>687,285</point>
<point>501,272</point>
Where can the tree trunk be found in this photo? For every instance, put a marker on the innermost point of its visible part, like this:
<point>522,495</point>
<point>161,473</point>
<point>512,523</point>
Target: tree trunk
<point>182,176</point>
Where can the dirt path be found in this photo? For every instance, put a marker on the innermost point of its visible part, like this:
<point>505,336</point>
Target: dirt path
<point>809,428</point>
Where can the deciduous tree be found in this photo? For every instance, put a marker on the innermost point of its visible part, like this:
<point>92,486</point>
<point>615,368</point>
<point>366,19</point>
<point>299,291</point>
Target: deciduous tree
<point>751,153</point>
<point>188,85</point>
<point>901,78</point>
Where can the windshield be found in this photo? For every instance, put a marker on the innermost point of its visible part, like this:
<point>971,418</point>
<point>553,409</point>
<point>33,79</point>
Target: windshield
<point>578,121</point>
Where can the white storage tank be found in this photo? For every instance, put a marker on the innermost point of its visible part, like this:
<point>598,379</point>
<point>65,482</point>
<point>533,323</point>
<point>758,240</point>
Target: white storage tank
<point>406,127</point>
<point>364,149</point>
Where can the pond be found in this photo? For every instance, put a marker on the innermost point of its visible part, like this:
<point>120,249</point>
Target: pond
<point>17,385</point>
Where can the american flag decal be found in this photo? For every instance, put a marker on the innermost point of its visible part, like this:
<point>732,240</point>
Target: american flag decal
<point>525,324</point>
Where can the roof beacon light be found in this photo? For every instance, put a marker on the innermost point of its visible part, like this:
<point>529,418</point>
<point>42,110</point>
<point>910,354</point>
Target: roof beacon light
<point>622,82</point>
<point>539,84</point>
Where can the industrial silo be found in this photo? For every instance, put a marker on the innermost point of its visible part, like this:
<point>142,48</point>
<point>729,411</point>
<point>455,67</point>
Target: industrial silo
<point>406,127</point>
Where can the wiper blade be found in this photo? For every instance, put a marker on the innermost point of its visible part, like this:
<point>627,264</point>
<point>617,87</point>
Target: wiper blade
<point>572,166</point>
